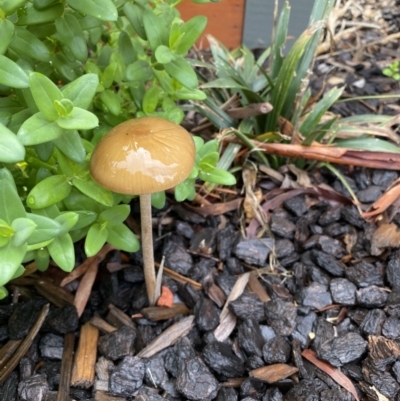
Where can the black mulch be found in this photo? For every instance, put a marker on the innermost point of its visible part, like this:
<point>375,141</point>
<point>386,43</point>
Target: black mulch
<point>305,312</point>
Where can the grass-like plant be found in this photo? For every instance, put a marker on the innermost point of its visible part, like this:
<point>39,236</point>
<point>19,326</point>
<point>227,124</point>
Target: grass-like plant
<point>280,79</point>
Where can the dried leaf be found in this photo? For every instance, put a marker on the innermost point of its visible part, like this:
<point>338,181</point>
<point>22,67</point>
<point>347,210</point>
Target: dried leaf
<point>384,201</point>
<point>333,372</point>
<point>273,373</point>
<point>385,236</point>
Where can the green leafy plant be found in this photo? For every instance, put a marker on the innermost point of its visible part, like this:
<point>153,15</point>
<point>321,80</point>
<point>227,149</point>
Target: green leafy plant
<point>69,72</point>
<point>280,79</point>
<point>393,70</point>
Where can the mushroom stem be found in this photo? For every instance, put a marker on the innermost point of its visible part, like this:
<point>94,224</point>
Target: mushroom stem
<point>147,247</point>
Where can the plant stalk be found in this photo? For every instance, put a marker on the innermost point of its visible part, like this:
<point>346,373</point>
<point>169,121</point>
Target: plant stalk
<point>147,247</point>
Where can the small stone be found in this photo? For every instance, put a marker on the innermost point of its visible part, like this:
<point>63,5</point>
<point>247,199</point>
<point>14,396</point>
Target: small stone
<point>254,251</point>
<point>370,194</point>
<point>328,263</point>
<point>343,349</point>
<point>391,328</point>
<point>373,322</point>
<point>127,376</point>
<point>220,358</point>
<point>118,344</point>
<point>343,291</point>
<point>371,297</point>
<point>177,257</point>
<point>297,205</point>
<point>196,382</point>
<point>281,316</point>
<point>276,350</point>
<point>316,296</point>
<point>33,388</point>
<point>282,227</point>
<point>51,346</point>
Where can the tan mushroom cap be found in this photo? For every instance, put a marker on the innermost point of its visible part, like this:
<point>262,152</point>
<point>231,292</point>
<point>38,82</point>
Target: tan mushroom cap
<point>142,156</point>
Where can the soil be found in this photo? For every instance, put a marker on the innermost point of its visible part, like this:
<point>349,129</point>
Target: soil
<point>279,291</point>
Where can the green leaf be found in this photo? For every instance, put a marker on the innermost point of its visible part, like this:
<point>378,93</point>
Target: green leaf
<point>6,34</point>
<point>126,48</point>
<point>71,35</point>
<point>134,13</point>
<point>367,143</point>
<point>138,71</point>
<point>185,190</point>
<point>63,107</point>
<point>163,54</point>
<point>27,44</point>
<point>67,220</point>
<point>62,252</point>
<point>209,161</point>
<point>82,90</point>
<point>150,99</point>
<point>11,205</point>
<point>46,229</point>
<point>78,119</point>
<point>12,75</point>
<point>156,31</point>
<point>111,101</point>
<point>41,4</point>
<point>11,149</point>
<point>42,259</point>
<point>218,176</point>
<point>123,238</point>
<point>45,92</point>
<point>182,71</point>
<point>158,199</point>
<point>95,239</point>
<point>85,218</point>
<point>6,230</point>
<point>30,16</point>
<point>10,6</point>
<point>319,109</point>
<point>48,192</point>
<point>104,10</point>
<point>192,30</point>
<point>93,190</point>
<point>11,258</point>
<point>23,227</point>
<point>71,145</point>
<point>116,214</point>
<point>38,129</point>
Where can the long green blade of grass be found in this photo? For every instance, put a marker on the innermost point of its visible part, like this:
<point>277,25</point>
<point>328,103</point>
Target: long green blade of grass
<point>286,74</point>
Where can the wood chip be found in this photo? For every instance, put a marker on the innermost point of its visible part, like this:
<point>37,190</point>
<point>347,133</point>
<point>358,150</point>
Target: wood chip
<point>168,337</point>
<point>102,325</point>
<point>83,372</point>
<point>66,367</point>
<point>273,373</point>
<point>157,313</point>
<point>118,318</point>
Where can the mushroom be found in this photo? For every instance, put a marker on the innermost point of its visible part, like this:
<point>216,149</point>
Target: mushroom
<point>140,157</point>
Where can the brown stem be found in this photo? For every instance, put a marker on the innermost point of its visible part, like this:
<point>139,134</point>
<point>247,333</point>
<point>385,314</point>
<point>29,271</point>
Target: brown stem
<point>147,247</point>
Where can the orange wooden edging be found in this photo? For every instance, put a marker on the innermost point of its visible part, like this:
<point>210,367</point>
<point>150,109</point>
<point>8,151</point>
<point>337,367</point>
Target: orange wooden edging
<point>225,20</point>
